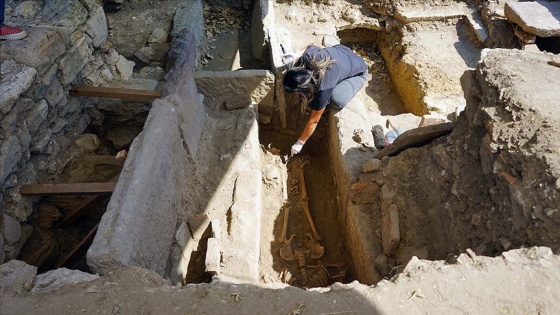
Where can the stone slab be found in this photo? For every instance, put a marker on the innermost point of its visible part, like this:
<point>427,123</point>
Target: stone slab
<point>415,138</point>
<point>427,12</point>
<point>212,262</point>
<point>139,224</point>
<point>258,84</point>
<point>56,279</point>
<point>262,21</point>
<point>96,26</point>
<point>241,249</point>
<point>180,90</point>
<point>540,18</point>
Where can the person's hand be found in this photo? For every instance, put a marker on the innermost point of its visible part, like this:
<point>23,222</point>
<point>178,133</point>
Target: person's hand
<point>296,148</point>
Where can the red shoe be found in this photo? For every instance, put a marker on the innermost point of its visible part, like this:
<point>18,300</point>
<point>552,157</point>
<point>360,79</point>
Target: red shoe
<point>12,33</point>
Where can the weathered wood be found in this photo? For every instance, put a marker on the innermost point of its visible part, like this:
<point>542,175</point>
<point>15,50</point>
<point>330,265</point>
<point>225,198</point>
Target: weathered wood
<point>125,94</point>
<point>78,251</point>
<point>74,213</point>
<point>67,189</point>
<point>77,211</point>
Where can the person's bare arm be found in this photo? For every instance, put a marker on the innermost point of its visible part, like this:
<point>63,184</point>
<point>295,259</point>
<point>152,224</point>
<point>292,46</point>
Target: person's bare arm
<point>311,124</point>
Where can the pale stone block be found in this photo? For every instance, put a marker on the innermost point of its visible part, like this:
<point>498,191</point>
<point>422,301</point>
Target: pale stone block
<point>213,256</point>
<point>124,67</point>
<point>15,79</point>
<point>96,26</point>
<point>390,232</point>
<point>74,61</point>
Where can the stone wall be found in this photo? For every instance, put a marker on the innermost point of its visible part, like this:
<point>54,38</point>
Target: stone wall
<point>66,45</point>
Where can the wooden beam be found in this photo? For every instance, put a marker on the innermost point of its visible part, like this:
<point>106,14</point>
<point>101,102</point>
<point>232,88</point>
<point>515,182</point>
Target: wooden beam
<point>79,251</point>
<point>77,211</point>
<point>74,213</point>
<point>67,189</point>
<point>125,94</point>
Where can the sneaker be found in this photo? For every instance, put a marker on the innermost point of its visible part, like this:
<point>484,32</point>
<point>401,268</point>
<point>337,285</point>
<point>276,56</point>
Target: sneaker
<point>12,33</point>
<point>378,137</point>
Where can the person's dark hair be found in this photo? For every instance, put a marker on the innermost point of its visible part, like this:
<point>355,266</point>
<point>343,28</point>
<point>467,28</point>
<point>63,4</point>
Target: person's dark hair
<point>306,77</point>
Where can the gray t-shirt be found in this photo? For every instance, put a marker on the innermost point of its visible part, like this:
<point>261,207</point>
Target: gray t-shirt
<point>347,64</point>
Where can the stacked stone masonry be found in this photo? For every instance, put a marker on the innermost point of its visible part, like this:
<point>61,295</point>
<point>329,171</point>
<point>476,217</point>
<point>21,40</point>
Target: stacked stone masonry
<point>38,118</point>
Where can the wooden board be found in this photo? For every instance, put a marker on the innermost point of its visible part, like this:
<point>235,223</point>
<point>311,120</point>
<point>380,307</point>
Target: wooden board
<point>80,209</point>
<point>78,251</point>
<point>77,211</point>
<point>125,94</point>
<point>67,189</point>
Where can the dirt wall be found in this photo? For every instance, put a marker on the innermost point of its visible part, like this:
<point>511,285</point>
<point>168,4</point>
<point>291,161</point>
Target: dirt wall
<point>492,184</point>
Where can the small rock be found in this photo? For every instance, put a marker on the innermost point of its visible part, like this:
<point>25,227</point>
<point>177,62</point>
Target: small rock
<point>93,289</point>
<point>371,165</point>
<point>88,142</point>
<point>158,36</point>
<point>116,309</point>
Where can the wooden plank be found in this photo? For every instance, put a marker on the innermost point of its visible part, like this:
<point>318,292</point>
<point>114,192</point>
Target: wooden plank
<point>78,251</point>
<point>67,189</point>
<point>87,203</point>
<point>125,94</point>
<point>73,214</point>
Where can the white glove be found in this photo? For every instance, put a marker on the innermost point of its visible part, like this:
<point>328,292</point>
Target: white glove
<point>296,148</point>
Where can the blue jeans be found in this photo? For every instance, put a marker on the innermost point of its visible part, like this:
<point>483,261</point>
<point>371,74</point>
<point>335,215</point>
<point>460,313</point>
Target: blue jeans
<point>2,7</point>
<point>344,91</point>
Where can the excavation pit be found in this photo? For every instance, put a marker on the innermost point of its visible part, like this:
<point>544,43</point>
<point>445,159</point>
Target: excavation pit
<point>205,191</point>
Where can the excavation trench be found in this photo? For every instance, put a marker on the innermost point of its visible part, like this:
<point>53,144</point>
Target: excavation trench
<point>209,188</point>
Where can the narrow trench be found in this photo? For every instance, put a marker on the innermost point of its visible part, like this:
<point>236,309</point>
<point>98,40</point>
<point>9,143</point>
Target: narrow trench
<point>302,258</point>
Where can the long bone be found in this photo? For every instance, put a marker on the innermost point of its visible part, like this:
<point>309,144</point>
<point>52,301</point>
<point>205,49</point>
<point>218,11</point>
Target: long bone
<point>317,251</point>
<point>286,251</point>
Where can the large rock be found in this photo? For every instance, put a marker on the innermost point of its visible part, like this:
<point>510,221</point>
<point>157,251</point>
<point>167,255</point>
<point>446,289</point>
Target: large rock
<point>15,79</point>
<point>74,61</point>
<point>96,26</point>
<point>69,14</point>
<point>541,18</point>
<point>189,16</point>
<point>10,229</point>
<point>38,50</point>
<point>138,227</point>
<point>56,279</point>
<point>16,275</point>
<point>256,84</point>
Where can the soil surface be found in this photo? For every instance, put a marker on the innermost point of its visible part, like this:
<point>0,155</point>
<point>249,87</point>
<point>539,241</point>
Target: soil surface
<point>478,285</point>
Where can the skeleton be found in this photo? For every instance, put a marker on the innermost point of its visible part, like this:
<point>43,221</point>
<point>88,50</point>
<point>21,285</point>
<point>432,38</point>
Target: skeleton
<point>323,277</point>
<point>312,249</point>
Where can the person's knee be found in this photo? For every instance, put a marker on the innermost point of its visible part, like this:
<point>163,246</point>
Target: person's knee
<point>345,91</point>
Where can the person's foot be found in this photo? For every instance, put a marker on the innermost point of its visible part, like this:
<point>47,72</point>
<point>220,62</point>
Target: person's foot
<point>378,137</point>
<point>12,33</point>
